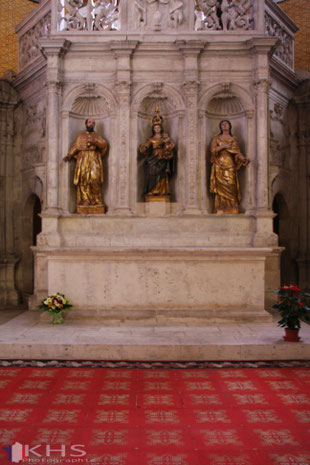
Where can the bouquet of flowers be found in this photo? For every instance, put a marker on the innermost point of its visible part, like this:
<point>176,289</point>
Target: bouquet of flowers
<point>292,307</point>
<point>56,304</point>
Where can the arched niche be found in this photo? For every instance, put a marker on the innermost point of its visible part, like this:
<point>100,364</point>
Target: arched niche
<point>31,228</point>
<point>171,109</point>
<point>227,102</point>
<point>282,226</point>
<point>89,101</point>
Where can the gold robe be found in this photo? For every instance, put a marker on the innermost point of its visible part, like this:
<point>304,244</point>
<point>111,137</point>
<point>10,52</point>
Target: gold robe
<point>88,174</point>
<point>224,179</point>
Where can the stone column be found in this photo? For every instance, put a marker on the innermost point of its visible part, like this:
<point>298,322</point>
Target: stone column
<point>9,178</point>
<point>190,51</point>
<point>124,179</point>
<point>121,201</point>
<point>54,50</point>
<point>52,115</point>
<point>202,150</point>
<point>259,16</point>
<point>264,216</point>
<point>252,168</point>
<point>262,145</point>
<point>260,48</point>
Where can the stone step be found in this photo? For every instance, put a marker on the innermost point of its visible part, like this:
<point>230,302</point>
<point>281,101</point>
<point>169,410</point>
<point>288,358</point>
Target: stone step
<point>26,337</point>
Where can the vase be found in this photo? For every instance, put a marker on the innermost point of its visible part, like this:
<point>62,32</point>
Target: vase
<point>57,319</point>
<point>291,335</point>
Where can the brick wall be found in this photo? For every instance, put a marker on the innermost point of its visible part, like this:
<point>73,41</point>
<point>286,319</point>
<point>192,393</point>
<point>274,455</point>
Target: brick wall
<point>12,12</point>
<point>299,12</point>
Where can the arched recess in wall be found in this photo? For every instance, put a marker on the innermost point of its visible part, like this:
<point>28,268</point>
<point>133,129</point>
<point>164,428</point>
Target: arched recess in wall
<point>31,228</point>
<point>87,101</point>
<point>282,225</point>
<point>171,108</point>
<point>226,101</point>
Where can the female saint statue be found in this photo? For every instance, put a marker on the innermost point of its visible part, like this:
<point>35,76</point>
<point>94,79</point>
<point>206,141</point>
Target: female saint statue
<point>158,165</point>
<point>226,160</point>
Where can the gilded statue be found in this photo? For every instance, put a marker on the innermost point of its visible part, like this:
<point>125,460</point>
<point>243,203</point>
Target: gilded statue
<point>158,164</point>
<point>88,150</point>
<point>226,159</point>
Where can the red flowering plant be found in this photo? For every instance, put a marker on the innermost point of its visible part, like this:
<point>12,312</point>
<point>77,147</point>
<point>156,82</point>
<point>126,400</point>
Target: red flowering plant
<point>292,307</point>
<point>56,304</point>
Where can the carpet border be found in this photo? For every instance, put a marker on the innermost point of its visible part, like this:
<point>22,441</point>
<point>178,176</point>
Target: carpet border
<point>155,365</point>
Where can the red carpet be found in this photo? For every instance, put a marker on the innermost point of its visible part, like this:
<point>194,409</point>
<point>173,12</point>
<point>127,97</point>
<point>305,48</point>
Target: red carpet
<point>158,417</point>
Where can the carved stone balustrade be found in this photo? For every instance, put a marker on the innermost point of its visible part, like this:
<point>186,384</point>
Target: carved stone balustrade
<point>35,26</point>
<point>158,15</point>
<point>278,24</point>
<point>100,15</point>
<point>225,16</point>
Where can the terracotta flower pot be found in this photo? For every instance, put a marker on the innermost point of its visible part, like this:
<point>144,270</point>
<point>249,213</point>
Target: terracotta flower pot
<point>291,335</point>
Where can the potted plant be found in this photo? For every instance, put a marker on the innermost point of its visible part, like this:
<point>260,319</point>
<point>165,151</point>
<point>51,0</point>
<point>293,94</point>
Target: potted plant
<point>57,305</point>
<point>293,310</point>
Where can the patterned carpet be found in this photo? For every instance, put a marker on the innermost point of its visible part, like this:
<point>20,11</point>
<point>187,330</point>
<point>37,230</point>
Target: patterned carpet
<point>157,416</point>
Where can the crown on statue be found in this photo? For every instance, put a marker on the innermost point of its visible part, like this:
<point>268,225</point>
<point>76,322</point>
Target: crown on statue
<point>157,119</point>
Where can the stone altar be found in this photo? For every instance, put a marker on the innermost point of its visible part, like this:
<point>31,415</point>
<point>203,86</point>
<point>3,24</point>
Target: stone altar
<point>115,64</point>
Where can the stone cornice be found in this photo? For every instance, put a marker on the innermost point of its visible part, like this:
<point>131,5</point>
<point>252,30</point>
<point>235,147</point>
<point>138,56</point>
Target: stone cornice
<point>262,44</point>
<point>283,73</point>
<point>53,46</point>
<point>190,47</point>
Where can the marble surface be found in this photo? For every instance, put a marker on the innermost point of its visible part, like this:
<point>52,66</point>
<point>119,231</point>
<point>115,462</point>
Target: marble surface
<point>26,336</point>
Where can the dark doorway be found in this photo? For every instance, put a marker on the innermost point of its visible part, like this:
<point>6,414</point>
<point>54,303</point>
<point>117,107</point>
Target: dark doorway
<point>31,229</point>
<point>282,225</point>
<point>37,222</point>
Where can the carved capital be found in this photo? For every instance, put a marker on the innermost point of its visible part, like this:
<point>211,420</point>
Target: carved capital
<point>262,86</point>
<point>250,114</point>
<point>54,86</point>
<point>191,88</point>
<point>123,87</point>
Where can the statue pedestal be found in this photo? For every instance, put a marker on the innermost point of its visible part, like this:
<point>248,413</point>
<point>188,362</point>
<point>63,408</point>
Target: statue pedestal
<point>157,208</point>
<point>90,209</point>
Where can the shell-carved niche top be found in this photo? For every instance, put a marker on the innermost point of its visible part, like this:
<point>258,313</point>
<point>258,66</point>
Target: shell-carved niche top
<point>86,105</point>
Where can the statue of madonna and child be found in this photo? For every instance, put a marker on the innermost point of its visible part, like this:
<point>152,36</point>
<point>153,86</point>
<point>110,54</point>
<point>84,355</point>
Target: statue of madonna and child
<point>158,153</point>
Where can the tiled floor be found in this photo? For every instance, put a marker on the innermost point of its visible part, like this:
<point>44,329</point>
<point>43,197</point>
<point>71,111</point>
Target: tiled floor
<point>26,336</point>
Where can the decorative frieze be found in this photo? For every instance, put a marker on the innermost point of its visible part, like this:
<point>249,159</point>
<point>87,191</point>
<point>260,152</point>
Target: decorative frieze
<point>102,15</point>
<point>29,42</point>
<point>225,15</point>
